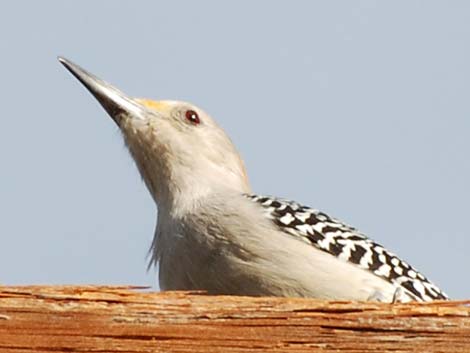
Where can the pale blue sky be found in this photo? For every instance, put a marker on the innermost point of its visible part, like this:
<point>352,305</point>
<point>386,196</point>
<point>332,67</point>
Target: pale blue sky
<point>358,108</point>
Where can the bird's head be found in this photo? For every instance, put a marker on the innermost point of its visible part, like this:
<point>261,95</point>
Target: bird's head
<point>181,153</point>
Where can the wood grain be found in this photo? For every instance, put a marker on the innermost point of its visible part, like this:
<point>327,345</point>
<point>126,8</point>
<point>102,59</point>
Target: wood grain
<point>131,319</point>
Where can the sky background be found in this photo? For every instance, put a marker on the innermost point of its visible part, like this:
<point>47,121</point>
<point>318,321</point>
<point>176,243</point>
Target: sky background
<point>358,108</point>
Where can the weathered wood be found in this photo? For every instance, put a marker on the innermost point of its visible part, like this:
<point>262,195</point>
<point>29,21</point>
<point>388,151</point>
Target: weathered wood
<point>130,319</point>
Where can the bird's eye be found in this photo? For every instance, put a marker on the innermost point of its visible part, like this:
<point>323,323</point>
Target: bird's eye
<point>192,117</point>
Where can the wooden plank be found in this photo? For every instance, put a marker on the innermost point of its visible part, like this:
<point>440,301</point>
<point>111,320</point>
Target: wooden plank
<point>131,319</point>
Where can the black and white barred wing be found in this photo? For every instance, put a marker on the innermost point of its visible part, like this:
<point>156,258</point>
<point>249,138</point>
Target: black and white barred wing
<point>347,244</point>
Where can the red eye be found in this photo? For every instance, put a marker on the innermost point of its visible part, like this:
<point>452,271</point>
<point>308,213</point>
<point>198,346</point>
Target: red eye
<point>192,116</point>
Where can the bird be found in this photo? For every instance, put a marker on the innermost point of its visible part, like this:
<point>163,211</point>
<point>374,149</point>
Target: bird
<point>214,234</point>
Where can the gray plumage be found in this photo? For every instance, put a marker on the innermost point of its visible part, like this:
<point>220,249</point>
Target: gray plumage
<point>213,234</point>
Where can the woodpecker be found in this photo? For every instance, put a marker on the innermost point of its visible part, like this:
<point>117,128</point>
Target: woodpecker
<point>214,234</point>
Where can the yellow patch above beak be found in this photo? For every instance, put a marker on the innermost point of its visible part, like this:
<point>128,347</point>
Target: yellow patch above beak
<point>159,106</point>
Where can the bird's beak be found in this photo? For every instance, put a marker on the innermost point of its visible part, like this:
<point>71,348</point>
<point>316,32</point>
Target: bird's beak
<point>116,103</point>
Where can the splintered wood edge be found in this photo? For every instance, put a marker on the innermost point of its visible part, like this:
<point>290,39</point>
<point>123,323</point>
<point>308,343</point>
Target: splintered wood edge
<point>135,319</point>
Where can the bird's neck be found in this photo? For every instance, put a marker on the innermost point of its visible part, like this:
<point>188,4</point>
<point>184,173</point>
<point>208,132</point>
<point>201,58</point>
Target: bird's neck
<point>179,186</point>
<point>180,191</point>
